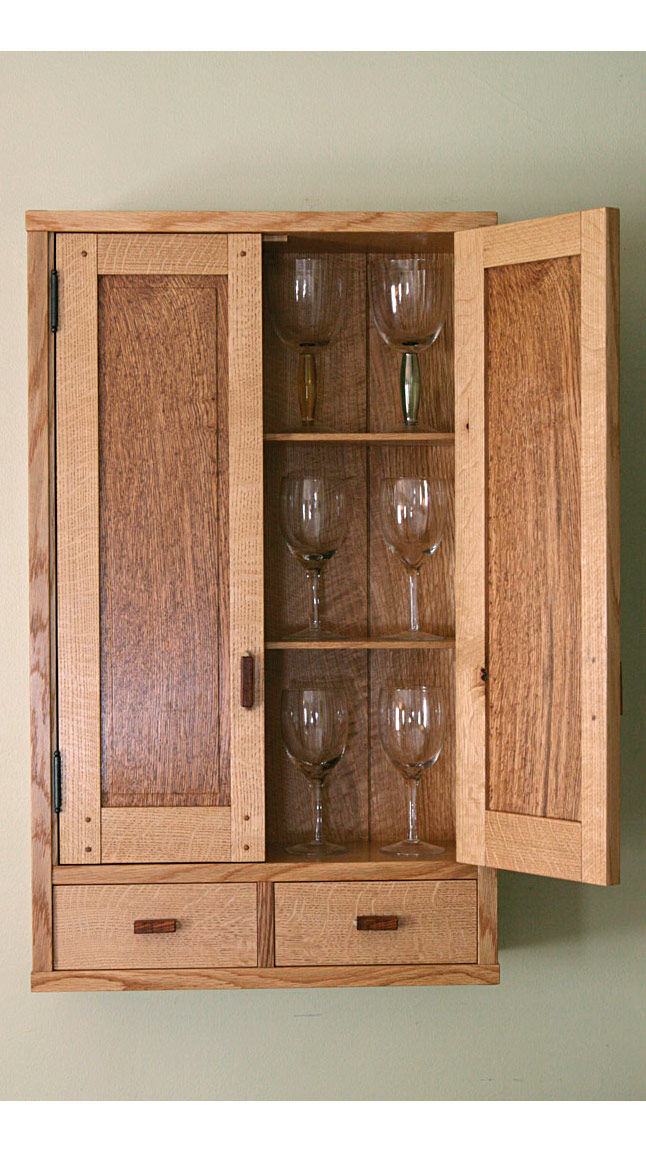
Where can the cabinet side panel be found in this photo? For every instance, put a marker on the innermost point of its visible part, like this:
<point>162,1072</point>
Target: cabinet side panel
<point>159,531</point>
<point>533,401</point>
<point>39,620</point>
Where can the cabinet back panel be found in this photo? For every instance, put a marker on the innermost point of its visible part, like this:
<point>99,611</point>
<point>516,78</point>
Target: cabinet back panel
<point>533,404</point>
<point>163,527</point>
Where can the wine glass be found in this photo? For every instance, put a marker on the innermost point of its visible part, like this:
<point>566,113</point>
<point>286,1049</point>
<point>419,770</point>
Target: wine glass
<point>413,516</point>
<point>410,298</point>
<point>412,720</point>
<point>314,725</point>
<point>313,521</point>
<point>306,295</point>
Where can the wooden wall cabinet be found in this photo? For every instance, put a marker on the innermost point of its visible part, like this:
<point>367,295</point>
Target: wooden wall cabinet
<point>160,407</point>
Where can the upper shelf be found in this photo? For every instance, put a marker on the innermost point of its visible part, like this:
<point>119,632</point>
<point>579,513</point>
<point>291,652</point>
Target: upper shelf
<point>376,437</point>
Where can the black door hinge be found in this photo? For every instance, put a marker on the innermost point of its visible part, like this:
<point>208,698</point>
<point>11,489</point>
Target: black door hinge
<point>57,782</point>
<point>53,300</point>
<point>483,674</point>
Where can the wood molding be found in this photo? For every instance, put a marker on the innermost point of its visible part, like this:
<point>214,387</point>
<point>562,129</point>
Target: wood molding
<point>256,221</point>
<point>156,833</point>
<point>246,544</point>
<point>162,255</point>
<point>38,265</point>
<point>297,977</point>
<point>600,572</point>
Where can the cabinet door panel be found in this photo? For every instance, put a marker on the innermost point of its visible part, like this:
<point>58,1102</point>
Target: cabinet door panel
<point>148,719</point>
<point>537,599</point>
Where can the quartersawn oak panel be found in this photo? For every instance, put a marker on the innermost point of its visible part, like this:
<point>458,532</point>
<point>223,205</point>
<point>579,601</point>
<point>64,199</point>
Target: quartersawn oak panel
<point>533,398</point>
<point>316,923</point>
<point>289,805</point>
<point>162,521</point>
<point>341,367</point>
<point>388,792</point>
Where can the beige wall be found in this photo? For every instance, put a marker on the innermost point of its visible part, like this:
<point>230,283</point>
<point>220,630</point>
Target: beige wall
<point>526,135</point>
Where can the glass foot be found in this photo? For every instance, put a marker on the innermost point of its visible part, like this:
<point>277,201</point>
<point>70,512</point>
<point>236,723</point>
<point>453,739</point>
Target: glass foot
<point>316,849</point>
<point>408,849</point>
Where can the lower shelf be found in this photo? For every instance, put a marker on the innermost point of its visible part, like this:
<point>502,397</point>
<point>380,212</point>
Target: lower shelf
<point>296,977</point>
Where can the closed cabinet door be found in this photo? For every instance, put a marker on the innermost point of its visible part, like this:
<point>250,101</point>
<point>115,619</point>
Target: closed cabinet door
<point>159,547</point>
<point>537,546</point>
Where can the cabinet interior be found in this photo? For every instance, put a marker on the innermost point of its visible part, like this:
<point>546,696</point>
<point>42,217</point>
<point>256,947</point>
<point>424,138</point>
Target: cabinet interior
<point>365,587</point>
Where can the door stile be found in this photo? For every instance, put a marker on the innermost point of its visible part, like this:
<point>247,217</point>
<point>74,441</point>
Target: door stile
<point>246,545</point>
<point>77,500</point>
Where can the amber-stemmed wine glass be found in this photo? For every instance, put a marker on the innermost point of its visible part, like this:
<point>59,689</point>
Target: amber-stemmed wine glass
<point>305,295</point>
<point>410,297</point>
<point>314,725</point>
<point>412,721</point>
<point>313,521</point>
<point>413,516</point>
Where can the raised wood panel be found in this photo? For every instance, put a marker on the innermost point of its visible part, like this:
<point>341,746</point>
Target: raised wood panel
<point>77,499</point>
<point>197,834</point>
<point>162,254</point>
<point>344,580</point>
<point>93,926</point>
<point>257,221</point>
<point>436,411</point>
<point>289,805</point>
<point>316,923</point>
<point>389,585</point>
<point>161,521</point>
<point>388,793</point>
<point>295,977</point>
<point>341,367</point>
<point>246,544</point>
<point>533,537</point>
<point>40,676</point>
<point>600,573</point>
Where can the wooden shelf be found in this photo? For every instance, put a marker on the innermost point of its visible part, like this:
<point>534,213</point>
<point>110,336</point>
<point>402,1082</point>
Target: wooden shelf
<point>374,437</point>
<point>363,644</point>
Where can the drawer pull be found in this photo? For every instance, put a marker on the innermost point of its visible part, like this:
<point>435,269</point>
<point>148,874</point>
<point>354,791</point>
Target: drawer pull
<point>377,922</point>
<point>246,681</point>
<point>155,926</point>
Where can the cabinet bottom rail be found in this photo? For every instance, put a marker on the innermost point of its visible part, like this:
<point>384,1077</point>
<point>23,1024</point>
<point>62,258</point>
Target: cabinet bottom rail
<point>285,977</point>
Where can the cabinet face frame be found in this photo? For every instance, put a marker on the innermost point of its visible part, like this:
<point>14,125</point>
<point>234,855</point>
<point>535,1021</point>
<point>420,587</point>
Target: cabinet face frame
<point>586,849</point>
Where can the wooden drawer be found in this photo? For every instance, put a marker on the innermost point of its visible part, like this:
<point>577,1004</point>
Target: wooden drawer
<point>316,923</point>
<point>215,926</point>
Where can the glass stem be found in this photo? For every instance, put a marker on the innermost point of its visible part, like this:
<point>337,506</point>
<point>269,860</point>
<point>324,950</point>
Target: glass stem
<point>307,388</point>
<point>414,613</point>
<point>410,387</point>
<point>314,580</point>
<point>317,801</point>
<point>413,783</point>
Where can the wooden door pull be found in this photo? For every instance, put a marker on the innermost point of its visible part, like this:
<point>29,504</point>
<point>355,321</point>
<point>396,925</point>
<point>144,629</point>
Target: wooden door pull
<point>246,681</point>
<point>155,926</point>
<point>377,922</point>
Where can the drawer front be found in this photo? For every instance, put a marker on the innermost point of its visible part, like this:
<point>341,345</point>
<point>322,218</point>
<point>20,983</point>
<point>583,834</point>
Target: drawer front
<point>316,923</point>
<point>215,925</point>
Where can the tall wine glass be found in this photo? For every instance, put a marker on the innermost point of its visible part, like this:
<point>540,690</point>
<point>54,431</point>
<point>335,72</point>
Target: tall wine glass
<point>411,724</point>
<point>314,725</point>
<point>313,520</point>
<point>410,298</point>
<point>306,301</point>
<point>413,517</point>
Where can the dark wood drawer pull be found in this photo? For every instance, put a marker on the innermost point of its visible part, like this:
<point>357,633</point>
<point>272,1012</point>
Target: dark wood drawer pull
<point>155,926</point>
<point>377,922</point>
<point>246,681</point>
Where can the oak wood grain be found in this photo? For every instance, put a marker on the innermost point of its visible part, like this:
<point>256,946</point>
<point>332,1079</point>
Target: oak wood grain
<point>289,804</point>
<point>161,833</point>
<point>162,254</point>
<point>532,239</point>
<point>295,977</point>
<point>256,221</point>
<point>40,675</point>
<point>216,925</point>
<point>403,436</point>
<point>246,543</point>
<point>77,501</point>
<point>600,547</point>
<point>548,846</point>
<point>161,606</point>
<point>534,537</point>
<point>316,922</point>
<point>487,915</point>
<point>265,895</point>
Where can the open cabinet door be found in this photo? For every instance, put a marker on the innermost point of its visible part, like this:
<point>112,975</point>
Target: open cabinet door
<point>159,547</point>
<point>537,546</point>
